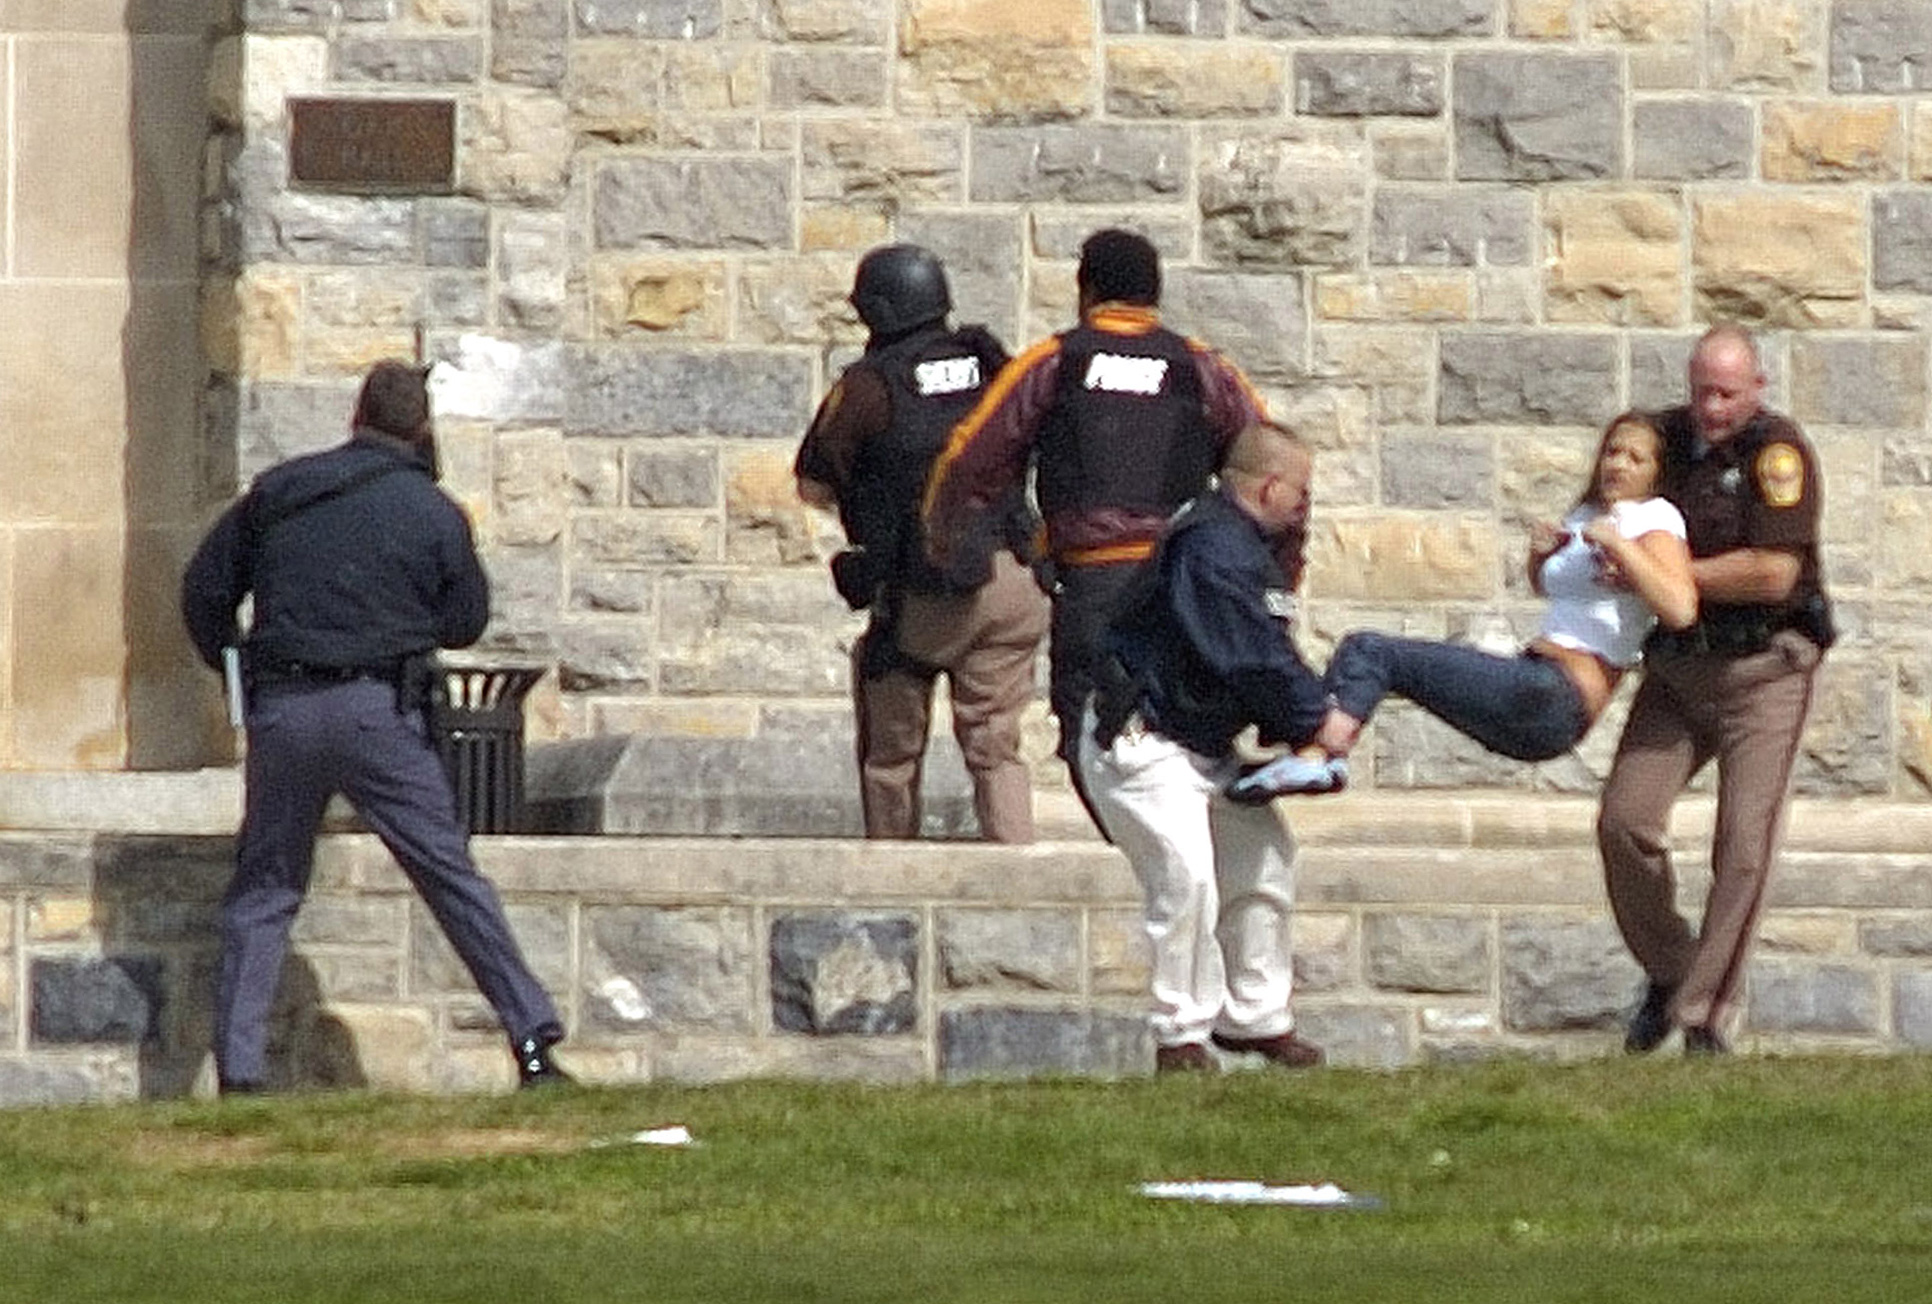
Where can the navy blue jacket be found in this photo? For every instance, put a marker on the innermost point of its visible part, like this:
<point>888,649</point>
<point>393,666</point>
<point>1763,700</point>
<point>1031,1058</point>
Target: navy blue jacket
<point>354,556</point>
<point>1204,635</point>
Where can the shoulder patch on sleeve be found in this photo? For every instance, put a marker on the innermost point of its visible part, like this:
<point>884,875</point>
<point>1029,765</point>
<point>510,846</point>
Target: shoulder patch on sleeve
<point>1781,475</point>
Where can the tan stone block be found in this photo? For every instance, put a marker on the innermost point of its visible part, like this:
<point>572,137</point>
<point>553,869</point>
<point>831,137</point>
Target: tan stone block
<point>448,13</point>
<point>6,941</point>
<point>797,301</point>
<point>60,919</point>
<point>646,539</point>
<point>69,669</point>
<point>345,351</point>
<point>531,487</point>
<point>1508,294</point>
<point>765,522</point>
<point>1119,956</point>
<point>660,296</point>
<point>707,79</point>
<point>264,307</point>
<point>1006,59</point>
<point>1396,296</point>
<point>393,1045</point>
<point>680,718</point>
<point>372,296</point>
<point>1769,44</point>
<point>1666,68</point>
<point>1919,151</point>
<point>80,220</point>
<point>892,164</point>
<point>102,16</point>
<point>1643,21</point>
<point>1542,20</point>
<point>175,715</point>
<point>829,228</point>
<point>1781,261</point>
<point>1402,557</point>
<point>610,83</point>
<point>1409,152</point>
<point>66,383</point>
<point>1613,257</point>
<point>1820,140</point>
<point>1193,80</point>
<point>1809,934</point>
<point>516,147</point>
<point>1904,560</point>
<point>1375,354</point>
<point>275,69</point>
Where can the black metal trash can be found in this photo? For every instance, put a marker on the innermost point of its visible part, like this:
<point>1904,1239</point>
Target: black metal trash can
<point>476,716</point>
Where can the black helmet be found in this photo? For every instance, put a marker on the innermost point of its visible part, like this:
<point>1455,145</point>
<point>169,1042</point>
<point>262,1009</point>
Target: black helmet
<point>898,287</point>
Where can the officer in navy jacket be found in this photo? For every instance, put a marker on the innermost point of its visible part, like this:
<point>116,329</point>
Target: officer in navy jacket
<point>1199,651</point>
<point>978,620</point>
<point>359,568</point>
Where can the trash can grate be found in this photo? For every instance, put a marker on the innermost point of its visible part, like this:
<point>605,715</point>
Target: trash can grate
<point>476,715</point>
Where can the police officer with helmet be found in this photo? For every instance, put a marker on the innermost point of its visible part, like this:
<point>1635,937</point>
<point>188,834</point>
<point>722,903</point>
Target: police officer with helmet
<point>978,620</point>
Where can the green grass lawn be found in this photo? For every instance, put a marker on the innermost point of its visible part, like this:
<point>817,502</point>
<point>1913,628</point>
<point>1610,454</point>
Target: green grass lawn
<point>1744,1179</point>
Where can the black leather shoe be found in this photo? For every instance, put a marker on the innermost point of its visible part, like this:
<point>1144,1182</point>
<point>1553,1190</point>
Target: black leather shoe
<point>535,1068</point>
<point>1704,1041</point>
<point>1651,1023</point>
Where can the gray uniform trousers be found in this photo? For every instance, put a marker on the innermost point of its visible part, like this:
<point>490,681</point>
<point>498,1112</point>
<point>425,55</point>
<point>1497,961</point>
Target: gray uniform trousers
<point>305,743</point>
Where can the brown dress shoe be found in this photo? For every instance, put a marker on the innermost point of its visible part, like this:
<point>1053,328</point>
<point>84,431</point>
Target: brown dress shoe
<point>1188,1057</point>
<point>1288,1051</point>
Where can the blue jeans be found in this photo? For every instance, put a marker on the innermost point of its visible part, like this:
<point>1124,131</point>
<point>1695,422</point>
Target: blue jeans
<point>1523,707</point>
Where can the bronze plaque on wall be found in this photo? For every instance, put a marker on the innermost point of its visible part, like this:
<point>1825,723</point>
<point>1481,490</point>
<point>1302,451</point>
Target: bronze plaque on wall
<point>373,147</point>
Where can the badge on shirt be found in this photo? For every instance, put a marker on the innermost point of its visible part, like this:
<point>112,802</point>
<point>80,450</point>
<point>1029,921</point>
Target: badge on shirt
<point>1781,475</point>
<point>1281,603</point>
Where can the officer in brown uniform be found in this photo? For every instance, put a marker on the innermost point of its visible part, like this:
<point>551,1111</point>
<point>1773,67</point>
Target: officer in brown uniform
<point>1735,687</point>
<point>980,620</point>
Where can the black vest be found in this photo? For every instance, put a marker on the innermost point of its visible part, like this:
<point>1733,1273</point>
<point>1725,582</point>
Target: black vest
<point>1127,428</point>
<point>933,377</point>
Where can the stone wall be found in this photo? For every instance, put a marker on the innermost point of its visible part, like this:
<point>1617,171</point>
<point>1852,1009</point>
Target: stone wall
<point>1429,929</point>
<point>1448,238</point>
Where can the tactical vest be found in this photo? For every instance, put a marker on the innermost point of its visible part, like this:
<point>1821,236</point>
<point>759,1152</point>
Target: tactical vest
<point>933,378</point>
<point>1126,429</point>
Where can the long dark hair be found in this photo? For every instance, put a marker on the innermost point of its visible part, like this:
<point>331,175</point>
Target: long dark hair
<point>1649,420</point>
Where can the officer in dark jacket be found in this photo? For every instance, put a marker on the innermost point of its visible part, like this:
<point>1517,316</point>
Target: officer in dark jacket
<point>1199,651</point>
<point>1735,687</point>
<point>1123,420</point>
<point>979,621</point>
<point>359,568</point>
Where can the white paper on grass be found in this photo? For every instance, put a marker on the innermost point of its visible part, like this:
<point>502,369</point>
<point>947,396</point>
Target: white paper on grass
<point>654,1136</point>
<point>1324,1195</point>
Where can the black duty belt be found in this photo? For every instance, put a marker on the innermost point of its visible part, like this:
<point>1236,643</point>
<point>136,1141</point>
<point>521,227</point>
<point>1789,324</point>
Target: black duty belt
<point>305,672</point>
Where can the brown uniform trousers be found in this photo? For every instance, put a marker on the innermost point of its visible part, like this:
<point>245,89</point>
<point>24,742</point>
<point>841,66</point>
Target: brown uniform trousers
<point>985,642</point>
<point>1747,713</point>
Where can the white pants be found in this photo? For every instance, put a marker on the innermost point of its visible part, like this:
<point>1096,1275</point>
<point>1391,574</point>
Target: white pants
<point>1219,882</point>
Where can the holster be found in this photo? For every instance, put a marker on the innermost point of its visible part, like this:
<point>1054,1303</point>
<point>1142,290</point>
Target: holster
<point>1116,696</point>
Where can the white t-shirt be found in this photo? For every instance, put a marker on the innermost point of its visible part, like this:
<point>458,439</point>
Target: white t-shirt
<point>1588,614</point>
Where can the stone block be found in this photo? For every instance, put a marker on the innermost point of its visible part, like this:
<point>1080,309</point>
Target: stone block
<point>1911,1009</point>
<point>1538,117</point>
<point>1401,557</point>
<point>649,968</point>
<point>510,382</point>
<point>815,79</point>
<point>542,932</point>
<point>1435,226</point>
<point>1363,84</point>
<point>797,301</point>
<point>1542,20</point>
<point>1396,297</point>
<point>1691,140</point>
<point>984,254</point>
<point>700,79</point>
<point>835,974</point>
<point>1164,17</point>
<point>457,300</point>
<point>418,60</point>
<point>1206,81</point>
<point>530,19</point>
<point>657,20</point>
<point>660,296</point>
<point>1639,22</point>
<point>533,270</point>
<point>1057,235</point>
<point>1284,198</point>
<point>1010,950</point>
<point>60,919</point>
<point>1797,261</point>
<point>1010,1043</point>
<point>1426,953</point>
<point>541,63</point>
<point>1880,47</point>
<point>672,477</point>
<point>1907,936</point>
<point>1794,934</point>
<point>703,203</point>
<point>1768,45</point>
<point>847,228</point>
<point>1819,140</point>
<point>1444,472</point>
<point>1256,320</point>
<point>1005,60</point>
<point>1430,19</point>
<point>1562,974</point>
<point>35,1085</point>
<point>1323,951</point>
<point>765,523</point>
<point>1801,996</point>
<point>639,540</point>
<point>1518,378</point>
<point>1101,163</point>
<point>1409,151</point>
<point>517,147</point>
<point>855,22</point>
<point>333,229</point>
<point>594,655</point>
<point>1614,258</point>
<point>327,920</point>
<point>454,232</point>
<point>1360,1036</point>
<point>1849,380</point>
<point>1902,241</point>
<point>734,394</point>
<point>86,1000</point>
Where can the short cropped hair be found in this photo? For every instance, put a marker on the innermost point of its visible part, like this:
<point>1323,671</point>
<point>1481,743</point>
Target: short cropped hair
<point>1119,267</point>
<point>1262,449</point>
<point>395,400</point>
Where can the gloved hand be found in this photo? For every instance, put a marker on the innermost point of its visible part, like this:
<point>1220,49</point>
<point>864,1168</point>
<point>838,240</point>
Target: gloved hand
<point>1288,775</point>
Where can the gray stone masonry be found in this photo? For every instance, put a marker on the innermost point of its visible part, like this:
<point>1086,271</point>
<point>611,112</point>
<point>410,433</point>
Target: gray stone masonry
<point>1881,47</point>
<point>1426,929</point>
<point>1537,117</point>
